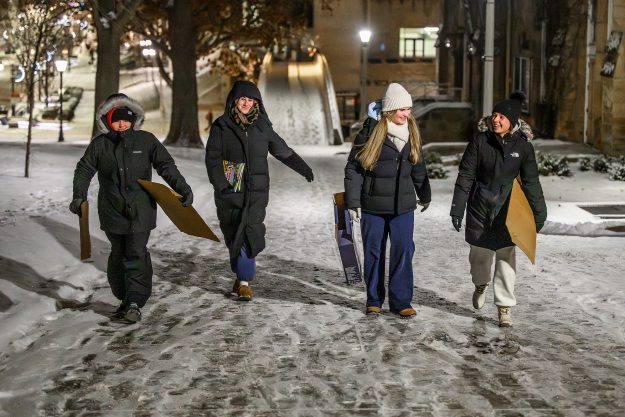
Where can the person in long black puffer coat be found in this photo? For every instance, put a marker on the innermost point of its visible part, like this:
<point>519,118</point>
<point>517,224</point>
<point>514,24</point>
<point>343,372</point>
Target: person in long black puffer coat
<point>238,145</point>
<point>491,162</point>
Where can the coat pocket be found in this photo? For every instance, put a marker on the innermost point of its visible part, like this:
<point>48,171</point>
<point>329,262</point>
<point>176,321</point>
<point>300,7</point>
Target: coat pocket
<point>232,199</point>
<point>485,204</point>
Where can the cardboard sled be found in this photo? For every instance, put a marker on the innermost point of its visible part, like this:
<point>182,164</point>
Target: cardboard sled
<point>185,218</point>
<point>85,238</point>
<point>348,241</point>
<point>520,222</point>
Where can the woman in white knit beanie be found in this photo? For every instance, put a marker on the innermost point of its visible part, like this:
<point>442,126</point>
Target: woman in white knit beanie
<point>385,179</point>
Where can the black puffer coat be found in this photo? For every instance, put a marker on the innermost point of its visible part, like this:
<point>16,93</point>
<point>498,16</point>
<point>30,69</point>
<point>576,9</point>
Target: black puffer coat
<point>120,160</point>
<point>390,188</point>
<point>241,214</point>
<point>488,167</point>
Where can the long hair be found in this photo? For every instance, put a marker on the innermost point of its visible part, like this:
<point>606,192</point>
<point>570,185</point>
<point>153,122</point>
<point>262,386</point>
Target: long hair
<point>370,153</point>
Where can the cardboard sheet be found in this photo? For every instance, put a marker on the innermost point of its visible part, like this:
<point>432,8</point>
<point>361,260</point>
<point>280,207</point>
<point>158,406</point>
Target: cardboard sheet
<point>185,218</point>
<point>85,238</point>
<point>520,222</point>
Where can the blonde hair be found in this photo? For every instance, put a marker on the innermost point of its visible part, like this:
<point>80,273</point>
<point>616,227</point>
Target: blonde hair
<point>370,153</point>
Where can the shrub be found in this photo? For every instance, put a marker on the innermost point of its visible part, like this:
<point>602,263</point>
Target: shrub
<point>616,172</point>
<point>432,158</point>
<point>552,165</point>
<point>585,164</point>
<point>436,170</point>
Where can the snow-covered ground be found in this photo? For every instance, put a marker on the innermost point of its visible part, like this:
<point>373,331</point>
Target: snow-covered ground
<point>303,346</point>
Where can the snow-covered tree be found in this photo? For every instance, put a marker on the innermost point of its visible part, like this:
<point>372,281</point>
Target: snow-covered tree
<point>35,29</point>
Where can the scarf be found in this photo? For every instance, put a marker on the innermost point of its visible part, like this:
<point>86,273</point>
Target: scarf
<point>398,134</point>
<point>245,120</point>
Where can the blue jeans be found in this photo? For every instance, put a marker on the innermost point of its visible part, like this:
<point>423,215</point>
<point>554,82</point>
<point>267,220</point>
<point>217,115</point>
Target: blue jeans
<point>376,230</point>
<point>246,266</point>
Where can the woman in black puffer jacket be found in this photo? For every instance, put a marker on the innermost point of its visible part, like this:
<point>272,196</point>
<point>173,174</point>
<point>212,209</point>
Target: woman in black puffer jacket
<point>490,164</point>
<point>384,175</point>
<point>236,161</point>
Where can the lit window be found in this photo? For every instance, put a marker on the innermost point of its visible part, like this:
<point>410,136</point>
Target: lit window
<point>417,42</point>
<point>521,81</point>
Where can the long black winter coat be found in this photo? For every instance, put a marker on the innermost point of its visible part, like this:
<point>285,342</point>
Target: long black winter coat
<point>241,214</point>
<point>488,167</point>
<point>120,160</point>
<point>390,188</point>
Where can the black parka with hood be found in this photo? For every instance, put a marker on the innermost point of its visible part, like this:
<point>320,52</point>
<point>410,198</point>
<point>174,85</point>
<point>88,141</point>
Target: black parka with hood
<point>120,159</point>
<point>393,186</point>
<point>489,166</point>
<point>241,214</point>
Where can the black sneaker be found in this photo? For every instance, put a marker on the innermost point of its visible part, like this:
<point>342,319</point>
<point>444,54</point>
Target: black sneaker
<point>133,313</point>
<point>120,312</point>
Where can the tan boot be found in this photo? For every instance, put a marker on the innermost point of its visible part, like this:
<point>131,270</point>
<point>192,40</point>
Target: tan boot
<point>407,313</point>
<point>373,310</point>
<point>236,286</point>
<point>505,319</point>
<point>479,296</point>
<point>245,293</point>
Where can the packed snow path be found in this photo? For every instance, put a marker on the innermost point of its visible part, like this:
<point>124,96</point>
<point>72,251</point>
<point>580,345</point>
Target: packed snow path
<point>303,346</point>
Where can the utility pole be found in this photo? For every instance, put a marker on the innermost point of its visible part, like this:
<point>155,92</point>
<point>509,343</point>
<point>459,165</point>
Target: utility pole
<point>489,49</point>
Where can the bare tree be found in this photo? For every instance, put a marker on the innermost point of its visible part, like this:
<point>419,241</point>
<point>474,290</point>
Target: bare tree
<point>185,30</point>
<point>34,33</point>
<point>110,18</point>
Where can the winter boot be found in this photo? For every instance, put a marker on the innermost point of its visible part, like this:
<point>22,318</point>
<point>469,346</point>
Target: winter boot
<point>373,310</point>
<point>407,313</point>
<point>133,313</point>
<point>120,312</point>
<point>505,319</point>
<point>235,287</point>
<point>479,296</point>
<point>245,293</point>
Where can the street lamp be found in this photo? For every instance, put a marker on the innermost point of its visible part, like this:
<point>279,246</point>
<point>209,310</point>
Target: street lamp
<point>365,36</point>
<point>61,66</point>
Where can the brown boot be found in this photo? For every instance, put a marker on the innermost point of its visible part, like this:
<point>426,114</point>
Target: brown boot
<point>407,312</point>
<point>245,293</point>
<point>373,310</point>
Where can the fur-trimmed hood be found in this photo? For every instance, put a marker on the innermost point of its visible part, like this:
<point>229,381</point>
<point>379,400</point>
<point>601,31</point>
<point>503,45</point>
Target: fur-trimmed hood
<point>524,128</point>
<point>119,100</point>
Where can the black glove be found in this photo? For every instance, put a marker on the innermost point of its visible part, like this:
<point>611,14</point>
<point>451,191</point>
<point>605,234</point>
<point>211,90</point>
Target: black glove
<point>74,206</point>
<point>457,222</point>
<point>539,226</point>
<point>297,164</point>
<point>187,199</point>
<point>424,205</point>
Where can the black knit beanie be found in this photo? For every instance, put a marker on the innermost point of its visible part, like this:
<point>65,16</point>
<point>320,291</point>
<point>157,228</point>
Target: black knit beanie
<point>123,113</point>
<point>509,108</point>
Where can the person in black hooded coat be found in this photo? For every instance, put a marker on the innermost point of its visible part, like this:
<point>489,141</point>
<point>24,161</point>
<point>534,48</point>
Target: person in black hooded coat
<point>240,140</point>
<point>120,155</point>
<point>501,152</point>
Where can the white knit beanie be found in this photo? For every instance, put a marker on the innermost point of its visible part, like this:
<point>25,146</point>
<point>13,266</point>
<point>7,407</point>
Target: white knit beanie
<point>396,97</point>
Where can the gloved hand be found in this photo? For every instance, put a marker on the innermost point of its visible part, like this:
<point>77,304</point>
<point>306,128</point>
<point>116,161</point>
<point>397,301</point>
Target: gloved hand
<point>74,206</point>
<point>424,205</point>
<point>539,226</point>
<point>187,199</point>
<point>354,214</point>
<point>375,110</point>
<point>309,176</point>
<point>457,222</point>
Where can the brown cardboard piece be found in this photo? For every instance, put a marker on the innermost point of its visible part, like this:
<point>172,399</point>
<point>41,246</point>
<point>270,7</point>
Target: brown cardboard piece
<point>185,218</point>
<point>85,238</point>
<point>520,222</point>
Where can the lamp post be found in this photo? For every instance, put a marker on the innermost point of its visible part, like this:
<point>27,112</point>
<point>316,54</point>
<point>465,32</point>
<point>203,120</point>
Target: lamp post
<point>365,36</point>
<point>13,90</point>
<point>61,66</point>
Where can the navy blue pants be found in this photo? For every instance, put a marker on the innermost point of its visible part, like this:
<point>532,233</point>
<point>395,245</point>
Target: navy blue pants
<point>376,230</point>
<point>246,265</point>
